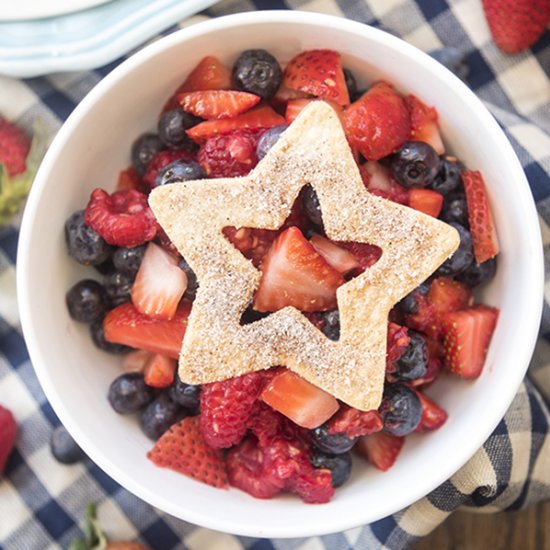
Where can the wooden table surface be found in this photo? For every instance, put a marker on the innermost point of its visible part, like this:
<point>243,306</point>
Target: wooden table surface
<point>525,530</point>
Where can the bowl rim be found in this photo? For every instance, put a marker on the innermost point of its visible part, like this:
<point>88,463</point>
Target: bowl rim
<point>355,517</point>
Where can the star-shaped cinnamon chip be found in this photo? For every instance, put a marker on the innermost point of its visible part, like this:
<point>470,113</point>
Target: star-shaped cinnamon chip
<point>314,151</point>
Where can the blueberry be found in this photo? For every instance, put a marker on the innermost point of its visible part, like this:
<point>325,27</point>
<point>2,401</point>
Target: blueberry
<point>118,286</point>
<point>128,260</point>
<point>477,274</point>
<point>64,448</point>
<point>144,149</point>
<point>311,205</point>
<point>171,129</point>
<point>462,257</point>
<point>192,283</point>
<point>105,268</point>
<point>129,393</point>
<point>335,444</point>
<point>351,85</point>
<point>180,170</point>
<point>339,466</point>
<point>84,244</point>
<point>400,409</point>
<point>159,415</point>
<point>331,324</point>
<point>250,315</point>
<point>409,304</point>
<point>86,301</point>
<point>415,164</point>
<point>186,395</point>
<point>455,209</point>
<point>453,59</point>
<point>98,337</point>
<point>413,363</point>
<point>257,72</point>
<point>268,140</point>
<point>448,179</point>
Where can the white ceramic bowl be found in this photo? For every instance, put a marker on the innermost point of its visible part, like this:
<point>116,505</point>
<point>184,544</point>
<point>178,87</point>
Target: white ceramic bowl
<point>94,144</point>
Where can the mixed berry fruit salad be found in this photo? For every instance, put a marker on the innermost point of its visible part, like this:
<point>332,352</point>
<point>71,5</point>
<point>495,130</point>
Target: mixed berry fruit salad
<point>271,430</point>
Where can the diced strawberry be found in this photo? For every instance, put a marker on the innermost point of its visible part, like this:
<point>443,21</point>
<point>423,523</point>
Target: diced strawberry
<point>482,227</point>
<point>355,423</point>
<point>448,295</point>
<point>248,470</point>
<point>14,148</point>
<point>378,122</point>
<point>214,104</point>
<point>398,341</point>
<point>129,179</point>
<point>296,398</point>
<point>427,201</point>
<point>378,181</point>
<point>229,155</point>
<point>467,334</point>
<point>135,360</point>
<point>159,284</point>
<point>380,449</point>
<point>294,106</point>
<point>127,325</point>
<point>259,117</point>
<point>209,74</point>
<point>8,433</point>
<point>284,94</point>
<point>160,160</point>
<point>366,254</point>
<point>339,258</point>
<point>294,274</point>
<point>320,73</point>
<point>433,416</point>
<point>226,407</point>
<point>122,219</point>
<point>424,126</point>
<point>181,448</point>
<point>159,371</point>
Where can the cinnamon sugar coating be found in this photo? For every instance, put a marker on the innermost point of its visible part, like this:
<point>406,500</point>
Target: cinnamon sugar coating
<point>313,150</point>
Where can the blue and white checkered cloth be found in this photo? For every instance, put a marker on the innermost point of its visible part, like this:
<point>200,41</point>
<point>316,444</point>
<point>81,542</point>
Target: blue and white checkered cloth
<point>42,502</point>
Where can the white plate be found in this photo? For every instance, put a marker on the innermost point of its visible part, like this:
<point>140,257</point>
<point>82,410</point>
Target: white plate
<point>17,10</point>
<point>87,39</point>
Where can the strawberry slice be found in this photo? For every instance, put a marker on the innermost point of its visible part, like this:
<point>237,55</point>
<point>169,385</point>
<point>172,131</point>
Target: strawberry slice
<point>378,181</point>
<point>209,74</point>
<point>294,106</point>
<point>181,448</point>
<point>380,449</point>
<point>8,433</point>
<point>424,125</point>
<point>284,94</point>
<point>482,227</point>
<point>214,104</point>
<point>159,284</point>
<point>259,117</point>
<point>378,122</point>
<point>355,423</point>
<point>296,398</point>
<point>339,258</point>
<point>433,416</point>
<point>294,274</point>
<point>320,73</point>
<point>448,295</point>
<point>426,201</point>
<point>366,254</point>
<point>466,337</point>
<point>135,360</point>
<point>159,371</point>
<point>125,324</point>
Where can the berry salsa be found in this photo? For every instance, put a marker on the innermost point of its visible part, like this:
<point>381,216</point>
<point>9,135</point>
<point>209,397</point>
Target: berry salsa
<point>272,431</point>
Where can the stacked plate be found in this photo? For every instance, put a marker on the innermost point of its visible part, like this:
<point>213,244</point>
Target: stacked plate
<point>38,37</point>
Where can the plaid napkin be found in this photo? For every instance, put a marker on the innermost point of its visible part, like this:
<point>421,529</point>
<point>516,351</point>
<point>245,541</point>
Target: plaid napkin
<point>42,502</point>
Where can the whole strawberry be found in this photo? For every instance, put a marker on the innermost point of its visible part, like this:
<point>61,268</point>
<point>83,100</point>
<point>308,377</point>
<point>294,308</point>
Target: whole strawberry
<point>14,147</point>
<point>516,24</point>
<point>8,432</point>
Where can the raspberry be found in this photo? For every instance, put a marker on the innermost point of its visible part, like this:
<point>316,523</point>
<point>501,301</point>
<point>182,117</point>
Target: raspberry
<point>226,407</point>
<point>122,219</point>
<point>313,486</point>
<point>229,155</point>
<point>8,432</point>
<point>162,159</point>
<point>354,423</point>
<point>14,147</point>
<point>398,340</point>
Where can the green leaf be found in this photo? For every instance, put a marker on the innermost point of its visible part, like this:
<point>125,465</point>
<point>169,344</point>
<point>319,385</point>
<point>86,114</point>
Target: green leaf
<point>94,538</point>
<point>14,190</point>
